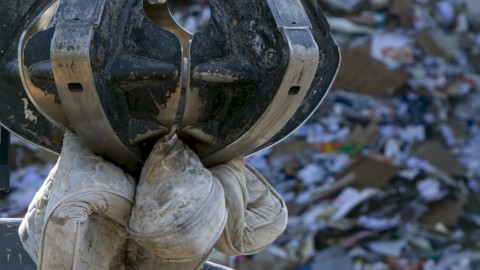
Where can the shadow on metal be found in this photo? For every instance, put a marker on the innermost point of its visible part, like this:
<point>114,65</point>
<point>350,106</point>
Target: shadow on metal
<point>14,257</point>
<point>4,154</point>
<point>12,254</point>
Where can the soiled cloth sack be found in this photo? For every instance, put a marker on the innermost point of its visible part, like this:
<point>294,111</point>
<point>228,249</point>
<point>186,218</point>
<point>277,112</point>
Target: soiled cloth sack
<point>89,214</point>
<point>257,215</point>
<point>179,210</point>
<point>77,218</point>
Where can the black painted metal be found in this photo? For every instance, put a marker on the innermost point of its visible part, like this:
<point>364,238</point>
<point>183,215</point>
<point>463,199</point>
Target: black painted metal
<point>242,41</point>
<point>141,73</point>
<point>12,14</point>
<point>15,16</point>
<point>12,254</point>
<point>4,157</point>
<point>134,78</point>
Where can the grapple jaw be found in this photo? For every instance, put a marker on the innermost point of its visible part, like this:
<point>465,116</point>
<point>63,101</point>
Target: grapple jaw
<point>122,73</point>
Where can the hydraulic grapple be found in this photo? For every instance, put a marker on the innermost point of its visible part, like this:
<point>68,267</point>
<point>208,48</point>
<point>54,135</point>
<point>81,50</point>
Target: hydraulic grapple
<point>123,73</point>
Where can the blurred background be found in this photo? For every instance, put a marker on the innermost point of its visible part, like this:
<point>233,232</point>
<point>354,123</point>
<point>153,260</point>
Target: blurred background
<point>386,174</point>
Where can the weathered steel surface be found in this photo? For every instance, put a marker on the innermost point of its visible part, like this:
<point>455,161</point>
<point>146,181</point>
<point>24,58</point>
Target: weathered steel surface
<point>17,112</point>
<point>12,254</point>
<point>12,14</point>
<point>4,157</point>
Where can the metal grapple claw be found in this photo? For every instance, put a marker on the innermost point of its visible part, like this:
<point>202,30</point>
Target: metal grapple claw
<point>122,73</point>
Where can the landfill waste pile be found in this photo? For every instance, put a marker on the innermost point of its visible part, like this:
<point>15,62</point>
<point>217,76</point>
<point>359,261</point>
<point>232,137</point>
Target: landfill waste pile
<point>386,173</point>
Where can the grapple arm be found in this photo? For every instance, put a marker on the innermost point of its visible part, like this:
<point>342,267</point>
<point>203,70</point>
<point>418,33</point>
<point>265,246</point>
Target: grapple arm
<point>122,74</point>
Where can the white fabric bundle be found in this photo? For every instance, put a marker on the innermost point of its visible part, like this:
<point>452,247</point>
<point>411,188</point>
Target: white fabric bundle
<point>85,215</point>
<point>76,219</point>
<point>179,209</point>
<point>257,214</point>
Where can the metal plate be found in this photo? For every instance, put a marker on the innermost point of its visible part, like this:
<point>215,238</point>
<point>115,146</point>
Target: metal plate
<point>12,254</point>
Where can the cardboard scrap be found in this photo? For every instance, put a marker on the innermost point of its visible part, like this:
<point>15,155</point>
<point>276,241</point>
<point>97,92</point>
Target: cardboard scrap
<point>440,157</point>
<point>369,171</point>
<point>437,43</point>
<point>359,72</point>
<point>428,44</point>
<point>444,212</point>
<point>363,135</point>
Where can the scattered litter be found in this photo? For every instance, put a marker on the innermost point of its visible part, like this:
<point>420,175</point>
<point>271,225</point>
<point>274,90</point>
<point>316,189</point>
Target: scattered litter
<point>392,49</point>
<point>401,126</point>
